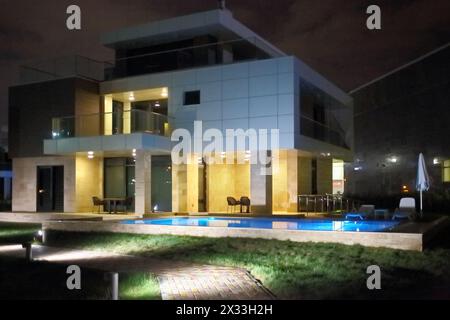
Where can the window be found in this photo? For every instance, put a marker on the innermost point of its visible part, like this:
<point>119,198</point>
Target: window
<point>191,97</point>
<point>446,171</point>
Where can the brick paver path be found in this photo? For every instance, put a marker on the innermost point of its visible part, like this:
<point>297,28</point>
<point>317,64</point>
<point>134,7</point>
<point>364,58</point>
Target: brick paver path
<point>178,280</point>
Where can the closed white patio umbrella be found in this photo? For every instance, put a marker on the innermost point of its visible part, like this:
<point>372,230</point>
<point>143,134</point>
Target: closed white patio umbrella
<point>423,180</point>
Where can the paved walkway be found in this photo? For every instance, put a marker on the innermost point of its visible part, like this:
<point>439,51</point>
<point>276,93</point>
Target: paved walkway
<point>178,280</point>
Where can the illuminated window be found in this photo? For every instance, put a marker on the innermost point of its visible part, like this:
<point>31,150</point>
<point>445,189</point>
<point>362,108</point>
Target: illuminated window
<point>446,171</point>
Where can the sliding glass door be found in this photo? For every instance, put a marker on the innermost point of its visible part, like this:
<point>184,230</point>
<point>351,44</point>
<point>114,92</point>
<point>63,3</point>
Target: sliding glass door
<point>119,179</point>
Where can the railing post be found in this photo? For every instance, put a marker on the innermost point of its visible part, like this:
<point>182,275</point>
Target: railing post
<point>113,278</point>
<point>28,251</point>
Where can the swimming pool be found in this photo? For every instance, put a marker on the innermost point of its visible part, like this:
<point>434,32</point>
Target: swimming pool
<point>272,223</point>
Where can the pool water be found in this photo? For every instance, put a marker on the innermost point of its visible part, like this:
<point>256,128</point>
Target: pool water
<point>273,223</point>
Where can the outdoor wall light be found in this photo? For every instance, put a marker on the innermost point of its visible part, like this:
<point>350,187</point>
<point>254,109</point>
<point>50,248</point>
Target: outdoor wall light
<point>40,236</point>
<point>357,168</point>
<point>436,161</point>
<point>90,154</point>
<point>131,97</point>
<point>393,159</point>
<point>164,93</point>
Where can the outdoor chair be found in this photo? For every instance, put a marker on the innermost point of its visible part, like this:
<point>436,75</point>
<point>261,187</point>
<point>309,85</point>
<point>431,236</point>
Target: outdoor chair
<point>232,203</point>
<point>127,203</point>
<point>364,212</point>
<point>406,209</point>
<point>245,202</point>
<point>97,202</point>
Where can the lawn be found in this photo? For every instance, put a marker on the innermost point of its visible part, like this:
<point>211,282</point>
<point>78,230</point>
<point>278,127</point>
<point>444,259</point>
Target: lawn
<point>17,233</point>
<point>45,281</point>
<point>41,280</point>
<point>292,270</point>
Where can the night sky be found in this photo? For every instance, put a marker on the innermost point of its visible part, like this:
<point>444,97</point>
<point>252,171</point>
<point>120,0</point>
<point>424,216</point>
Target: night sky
<point>330,35</point>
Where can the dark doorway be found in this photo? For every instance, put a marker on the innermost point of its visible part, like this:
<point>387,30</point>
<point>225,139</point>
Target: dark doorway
<point>50,189</point>
<point>202,183</point>
<point>117,117</point>
<point>314,176</point>
<point>161,183</point>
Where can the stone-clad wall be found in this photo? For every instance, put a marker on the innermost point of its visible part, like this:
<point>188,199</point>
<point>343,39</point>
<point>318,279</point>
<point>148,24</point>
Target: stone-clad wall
<point>25,182</point>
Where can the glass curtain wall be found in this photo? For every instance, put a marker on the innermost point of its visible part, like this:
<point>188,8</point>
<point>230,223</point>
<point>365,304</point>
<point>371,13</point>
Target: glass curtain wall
<point>161,180</point>
<point>119,179</point>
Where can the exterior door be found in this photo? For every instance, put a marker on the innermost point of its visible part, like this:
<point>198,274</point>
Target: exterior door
<point>50,189</point>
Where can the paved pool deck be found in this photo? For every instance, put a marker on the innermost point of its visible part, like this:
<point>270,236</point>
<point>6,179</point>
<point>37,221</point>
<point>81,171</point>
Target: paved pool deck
<point>40,217</point>
<point>406,237</point>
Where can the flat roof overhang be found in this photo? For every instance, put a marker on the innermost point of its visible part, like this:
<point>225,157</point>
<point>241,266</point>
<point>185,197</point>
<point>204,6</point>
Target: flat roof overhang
<point>215,22</point>
<point>113,144</point>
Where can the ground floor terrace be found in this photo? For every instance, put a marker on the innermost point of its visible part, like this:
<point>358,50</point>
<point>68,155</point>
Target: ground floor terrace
<point>144,182</point>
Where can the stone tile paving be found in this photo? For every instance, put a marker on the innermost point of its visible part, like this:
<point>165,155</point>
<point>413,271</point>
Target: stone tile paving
<point>178,280</point>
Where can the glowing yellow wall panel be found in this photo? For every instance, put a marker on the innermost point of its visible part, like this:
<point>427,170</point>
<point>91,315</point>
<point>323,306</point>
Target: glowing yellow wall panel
<point>226,180</point>
<point>185,187</point>
<point>179,188</point>
<point>108,118</point>
<point>192,185</point>
<point>285,182</point>
<point>88,182</point>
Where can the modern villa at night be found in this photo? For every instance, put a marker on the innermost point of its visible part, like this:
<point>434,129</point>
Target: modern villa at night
<point>178,150</point>
<point>81,128</point>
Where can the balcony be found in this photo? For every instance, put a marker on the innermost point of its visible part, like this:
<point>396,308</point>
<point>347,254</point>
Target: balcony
<point>111,123</point>
<point>62,67</point>
<point>218,53</point>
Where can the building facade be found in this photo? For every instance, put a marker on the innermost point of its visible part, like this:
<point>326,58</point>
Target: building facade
<point>5,172</point>
<point>83,135</point>
<point>398,116</point>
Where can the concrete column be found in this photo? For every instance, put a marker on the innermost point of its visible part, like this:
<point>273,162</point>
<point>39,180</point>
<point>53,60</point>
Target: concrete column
<point>192,184</point>
<point>185,186</point>
<point>143,192</point>
<point>285,181</point>
<point>126,117</point>
<point>260,190</point>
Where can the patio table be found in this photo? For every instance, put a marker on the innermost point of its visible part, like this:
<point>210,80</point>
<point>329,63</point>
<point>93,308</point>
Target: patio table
<point>114,201</point>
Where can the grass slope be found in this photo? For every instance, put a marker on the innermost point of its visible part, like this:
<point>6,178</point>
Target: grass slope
<point>292,270</point>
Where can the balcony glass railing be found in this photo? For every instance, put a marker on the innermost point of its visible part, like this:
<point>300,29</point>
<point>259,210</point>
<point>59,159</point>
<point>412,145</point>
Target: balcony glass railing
<point>62,67</point>
<point>111,123</point>
<point>225,52</point>
<point>319,131</point>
